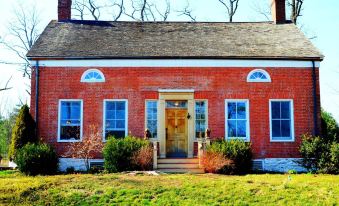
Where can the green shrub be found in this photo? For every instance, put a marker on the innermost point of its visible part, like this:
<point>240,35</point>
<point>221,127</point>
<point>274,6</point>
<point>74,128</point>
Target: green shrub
<point>23,131</point>
<point>118,153</point>
<point>319,155</point>
<point>330,128</point>
<point>35,159</point>
<point>238,151</point>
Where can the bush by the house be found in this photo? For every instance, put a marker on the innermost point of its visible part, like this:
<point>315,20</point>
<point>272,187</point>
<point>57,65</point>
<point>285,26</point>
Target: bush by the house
<point>143,158</point>
<point>37,159</point>
<point>321,154</point>
<point>118,153</point>
<point>213,162</point>
<point>237,153</point>
<point>23,131</point>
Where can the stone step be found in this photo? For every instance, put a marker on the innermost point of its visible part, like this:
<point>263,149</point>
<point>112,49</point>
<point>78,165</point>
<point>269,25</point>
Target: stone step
<point>178,160</point>
<point>191,171</point>
<point>178,166</point>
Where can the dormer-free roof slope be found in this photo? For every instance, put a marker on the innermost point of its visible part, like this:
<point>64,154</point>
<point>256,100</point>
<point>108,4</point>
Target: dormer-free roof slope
<point>100,39</point>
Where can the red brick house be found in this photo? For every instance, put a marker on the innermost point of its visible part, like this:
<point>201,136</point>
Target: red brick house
<point>257,81</point>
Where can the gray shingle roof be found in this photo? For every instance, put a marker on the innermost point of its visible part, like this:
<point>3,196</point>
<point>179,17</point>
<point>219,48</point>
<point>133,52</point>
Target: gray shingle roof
<point>90,39</point>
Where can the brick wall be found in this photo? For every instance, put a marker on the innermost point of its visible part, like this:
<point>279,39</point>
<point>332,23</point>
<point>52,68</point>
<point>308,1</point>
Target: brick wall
<point>214,84</point>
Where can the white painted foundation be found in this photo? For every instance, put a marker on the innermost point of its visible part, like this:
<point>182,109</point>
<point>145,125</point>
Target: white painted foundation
<point>282,164</point>
<point>78,164</point>
<point>269,164</point>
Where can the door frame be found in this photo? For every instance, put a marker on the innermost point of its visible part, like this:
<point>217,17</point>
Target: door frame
<point>187,95</point>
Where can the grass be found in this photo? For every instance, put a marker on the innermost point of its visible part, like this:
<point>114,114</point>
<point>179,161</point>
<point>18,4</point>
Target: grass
<point>182,189</point>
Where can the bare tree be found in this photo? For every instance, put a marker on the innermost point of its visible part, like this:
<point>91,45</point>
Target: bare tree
<point>263,10</point>
<point>6,85</point>
<point>146,10</point>
<point>23,32</point>
<point>296,8</point>
<point>187,11</point>
<point>90,145</point>
<point>231,7</point>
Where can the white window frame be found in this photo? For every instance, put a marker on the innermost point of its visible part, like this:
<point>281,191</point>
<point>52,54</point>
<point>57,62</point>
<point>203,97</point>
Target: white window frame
<point>248,132</point>
<point>93,80</point>
<point>292,119</point>
<point>152,100</point>
<point>104,116</point>
<point>259,80</point>
<point>81,119</point>
<point>206,116</point>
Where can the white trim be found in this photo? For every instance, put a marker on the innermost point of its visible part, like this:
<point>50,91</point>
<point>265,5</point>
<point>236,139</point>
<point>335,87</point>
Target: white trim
<point>292,119</point>
<point>81,118</point>
<point>206,115</point>
<point>92,80</point>
<point>104,116</point>
<point>175,63</point>
<point>259,80</point>
<point>247,118</point>
<point>176,90</point>
<point>151,100</point>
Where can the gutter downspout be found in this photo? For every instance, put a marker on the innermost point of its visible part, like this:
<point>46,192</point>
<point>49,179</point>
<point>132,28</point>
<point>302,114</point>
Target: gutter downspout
<point>315,112</point>
<point>37,96</point>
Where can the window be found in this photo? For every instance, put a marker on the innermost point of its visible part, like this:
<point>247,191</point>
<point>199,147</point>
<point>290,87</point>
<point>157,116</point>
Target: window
<point>258,75</point>
<point>115,118</point>
<point>237,119</point>
<point>281,120</point>
<point>92,75</point>
<point>70,120</point>
<point>200,118</point>
<point>151,117</point>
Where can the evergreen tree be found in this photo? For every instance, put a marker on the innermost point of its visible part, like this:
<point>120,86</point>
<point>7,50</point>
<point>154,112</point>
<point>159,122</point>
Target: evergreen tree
<point>23,131</point>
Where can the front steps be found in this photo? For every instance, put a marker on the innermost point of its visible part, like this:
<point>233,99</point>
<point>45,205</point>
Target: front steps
<point>179,165</point>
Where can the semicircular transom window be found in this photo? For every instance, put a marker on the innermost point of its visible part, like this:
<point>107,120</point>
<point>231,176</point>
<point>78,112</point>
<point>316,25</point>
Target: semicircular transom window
<point>92,75</point>
<point>258,75</point>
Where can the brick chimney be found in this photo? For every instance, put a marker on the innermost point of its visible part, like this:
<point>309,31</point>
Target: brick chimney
<point>278,11</point>
<point>64,10</point>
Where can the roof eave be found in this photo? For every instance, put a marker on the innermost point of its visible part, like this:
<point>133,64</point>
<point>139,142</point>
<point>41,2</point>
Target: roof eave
<point>316,58</point>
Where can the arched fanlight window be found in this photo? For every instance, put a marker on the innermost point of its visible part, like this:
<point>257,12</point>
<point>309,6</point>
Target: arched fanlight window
<point>92,75</point>
<point>258,75</point>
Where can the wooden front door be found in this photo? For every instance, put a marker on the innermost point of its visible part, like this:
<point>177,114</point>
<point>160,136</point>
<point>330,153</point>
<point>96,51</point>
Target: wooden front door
<point>176,132</point>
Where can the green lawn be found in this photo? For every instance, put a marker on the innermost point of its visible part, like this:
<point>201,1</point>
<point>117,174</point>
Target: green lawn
<point>182,189</point>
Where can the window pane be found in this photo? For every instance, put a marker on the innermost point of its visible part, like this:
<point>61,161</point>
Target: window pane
<point>75,111</point>
<point>231,110</point>
<point>110,105</point>
<point>120,124</point>
<point>70,132</point>
<point>231,124</point>
<point>276,128</point>
<point>120,105</point>
<point>285,128</point>
<point>120,114</point>
<point>113,133</point>
<point>241,128</point>
<point>285,110</point>
<point>241,110</point>
<point>110,114</point>
<point>110,124</point>
<point>275,107</point>
<point>65,112</point>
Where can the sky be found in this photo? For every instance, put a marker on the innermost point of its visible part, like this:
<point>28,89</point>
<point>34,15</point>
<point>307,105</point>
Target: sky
<point>319,19</point>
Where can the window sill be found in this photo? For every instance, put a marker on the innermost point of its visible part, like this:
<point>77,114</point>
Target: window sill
<point>288,141</point>
<point>245,140</point>
<point>69,141</point>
